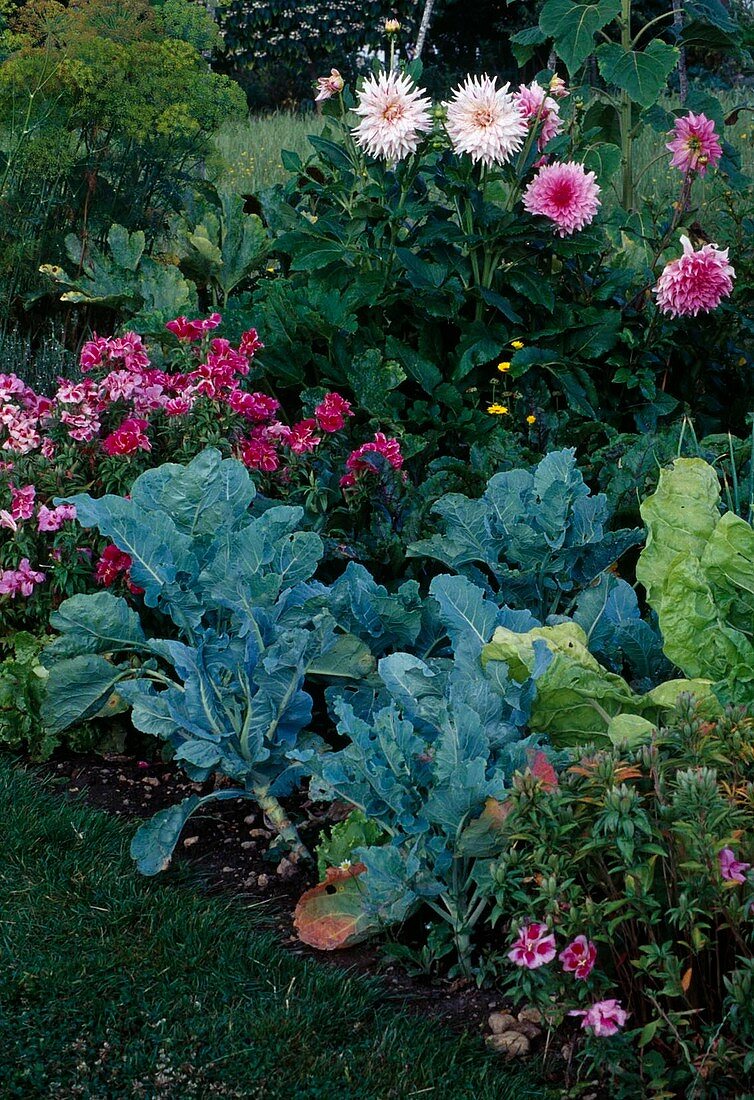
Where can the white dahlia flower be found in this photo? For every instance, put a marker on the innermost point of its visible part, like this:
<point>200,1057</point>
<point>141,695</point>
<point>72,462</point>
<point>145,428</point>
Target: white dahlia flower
<point>485,121</point>
<point>394,115</point>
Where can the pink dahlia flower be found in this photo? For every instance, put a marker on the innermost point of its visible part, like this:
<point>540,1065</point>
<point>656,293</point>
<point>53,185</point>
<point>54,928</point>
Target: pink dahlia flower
<point>732,869</point>
<point>696,282</point>
<point>695,145</point>
<point>394,115</point>
<point>539,109</point>
<point>565,194</point>
<point>603,1017</point>
<point>534,947</point>
<point>484,121</point>
<point>579,957</point>
<point>328,86</point>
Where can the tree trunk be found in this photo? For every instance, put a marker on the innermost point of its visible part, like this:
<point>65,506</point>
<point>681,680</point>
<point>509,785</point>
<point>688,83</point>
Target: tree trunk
<point>683,78</point>
<point>424,27</point>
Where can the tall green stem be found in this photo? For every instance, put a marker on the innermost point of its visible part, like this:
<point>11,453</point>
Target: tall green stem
<point>626,126</point>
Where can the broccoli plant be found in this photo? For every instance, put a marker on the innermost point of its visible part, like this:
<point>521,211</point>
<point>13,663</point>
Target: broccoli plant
<point>236,625</point>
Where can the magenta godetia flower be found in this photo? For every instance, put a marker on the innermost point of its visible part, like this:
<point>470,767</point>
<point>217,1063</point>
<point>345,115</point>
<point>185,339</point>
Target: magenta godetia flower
<point>732,869</point>
<point>603,1018</point>
<point>332,411</point>
<point>534,947</point>
<point>579,957</point>
<point>128,438</point>
<point>356,463</point>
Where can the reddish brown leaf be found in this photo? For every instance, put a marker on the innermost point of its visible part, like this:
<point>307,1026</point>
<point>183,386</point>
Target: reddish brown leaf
<point>331,916</point>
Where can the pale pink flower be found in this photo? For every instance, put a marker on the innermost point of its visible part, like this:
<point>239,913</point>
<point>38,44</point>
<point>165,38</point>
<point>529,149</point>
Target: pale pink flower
<point>7,520</point>
<point>579,957</point>
<point>695,146</point>
<point>534,947</point>
<point>603,1017</point>
<point>484,121</point>
<point>696,282</point>
<point>394,115</point>
<point>48,448</point>
<point>52,519</point>
<point>21,581</point>
<point>732,869</point>
<point>539,109</point>
<point>564,193</point>
<point>328,86</point>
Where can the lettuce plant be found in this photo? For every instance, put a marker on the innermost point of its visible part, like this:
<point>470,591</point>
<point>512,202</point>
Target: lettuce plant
<point>231,628</point>
<point>698,572</point>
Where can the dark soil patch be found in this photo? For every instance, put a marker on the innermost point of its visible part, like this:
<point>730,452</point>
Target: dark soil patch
<point>233,852</point>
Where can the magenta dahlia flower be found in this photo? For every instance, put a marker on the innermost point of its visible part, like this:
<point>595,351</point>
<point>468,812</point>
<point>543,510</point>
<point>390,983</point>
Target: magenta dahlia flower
<point>695,146</point>
<point>566,194</point>
<point>696,282</point>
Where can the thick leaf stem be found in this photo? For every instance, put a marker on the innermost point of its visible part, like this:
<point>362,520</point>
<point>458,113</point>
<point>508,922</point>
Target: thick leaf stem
<point>280,821</point>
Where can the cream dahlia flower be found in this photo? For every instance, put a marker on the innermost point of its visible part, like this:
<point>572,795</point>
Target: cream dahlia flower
<point>485,121</point>
<point>394,115</point>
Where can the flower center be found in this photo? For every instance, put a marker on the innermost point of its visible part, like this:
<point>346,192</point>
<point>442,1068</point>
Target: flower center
<point>483,117</point>
<point>393,110</point>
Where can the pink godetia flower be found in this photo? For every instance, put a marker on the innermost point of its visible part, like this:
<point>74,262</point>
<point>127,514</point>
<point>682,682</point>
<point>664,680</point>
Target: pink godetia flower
<point>7,520</point>
<point>566,194</point>
<point>83,425</point>
<point>23,435</point>
<point>255,406</point>
<point>539,109</point>
<point>128,438</point>
<point>259,453</point>
<point>357,462</point>
<point>603,1018</point>
<point>328,86</point>
<point>579,957</point>
<point>695,145</point>
<point>301,438</point>
<point>52,519</point>
<point>11,386</point>
<point>193,330</point>
<point>332,411</point>
<point>22,502</point>
<point>250,343</point>
<point>394,116</point>
<point>21,581</point>
<point>179,406</point>
<point>534,947</point>
<point>696,282</point>
<point>93,353</point>
<point>732,869</point>
<point>112,564</point>
<point>484,121</point>
<point>47,450</point>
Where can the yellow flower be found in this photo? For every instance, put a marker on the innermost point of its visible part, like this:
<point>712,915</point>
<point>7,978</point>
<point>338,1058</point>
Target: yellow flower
<point>742,361</point>
<point>531,419</point>
<point>503,367</point>
<point>497,410</point>
<point>517,344</point>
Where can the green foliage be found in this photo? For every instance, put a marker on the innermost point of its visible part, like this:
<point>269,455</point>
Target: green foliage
<point>337,846</point>
<point>625,850</point>
<point>698,571</point>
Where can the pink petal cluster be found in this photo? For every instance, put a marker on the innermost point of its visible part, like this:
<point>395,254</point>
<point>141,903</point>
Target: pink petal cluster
<point>52,519</point>
<point>603,1018</point>
<point>394,116</point>
<point>21,581</point>
<point>579,957</point>
<point>128,438</point>
<point>356,463</point>
<point>22,502</point>
<point>539,109</point>
<point>566,194</point>
<point>534,947</point>
<point>695,145</point>
<point>332,411</point>
<point>190,331</point>
<point>696,282</point>
<point>328,86</point>
<point>732,869</point>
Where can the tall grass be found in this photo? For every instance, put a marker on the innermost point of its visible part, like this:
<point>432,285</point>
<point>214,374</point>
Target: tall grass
<point>249,156</point>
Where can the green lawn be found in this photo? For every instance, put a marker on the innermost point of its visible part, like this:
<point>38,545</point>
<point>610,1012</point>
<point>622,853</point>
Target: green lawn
<point>114,986</point>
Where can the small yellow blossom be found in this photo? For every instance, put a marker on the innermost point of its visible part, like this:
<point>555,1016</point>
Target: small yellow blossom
<point>742,361</point>
<point>517,344</point>
<point>497,410</point>
<point>503,367</point>
<point>531,419</point>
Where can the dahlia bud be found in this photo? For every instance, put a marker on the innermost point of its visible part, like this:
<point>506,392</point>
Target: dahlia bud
<point>392,26</point>
<point>328,86</point>
<point>558,87</point>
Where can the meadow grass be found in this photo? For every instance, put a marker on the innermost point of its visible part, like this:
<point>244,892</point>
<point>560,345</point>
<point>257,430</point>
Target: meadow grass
<point>249,154</point>
<point>115,986</point>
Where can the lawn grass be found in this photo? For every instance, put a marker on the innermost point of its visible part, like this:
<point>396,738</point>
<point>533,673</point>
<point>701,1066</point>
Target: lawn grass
<point>113,986</point>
